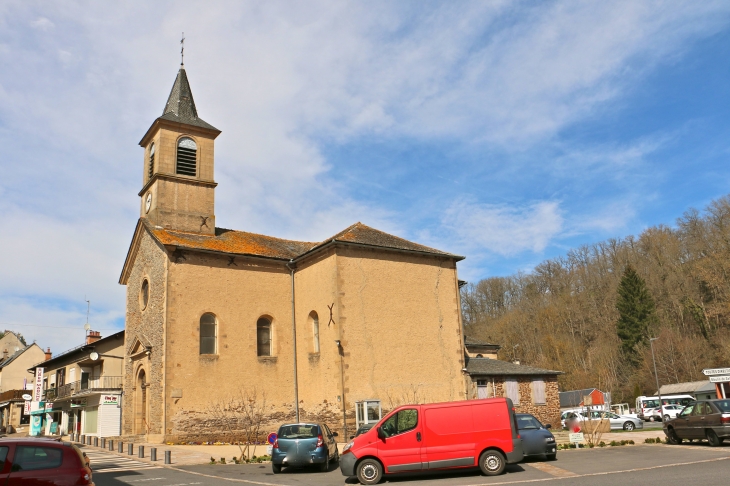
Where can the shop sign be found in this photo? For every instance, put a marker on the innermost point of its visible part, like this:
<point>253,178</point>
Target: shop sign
<point>26,408</point>
<point>38,386</point>
<point>78,403</point>
<point>48,406</point>
<point>720,379</point>
<point>716,371</point>
<point>35,425</point>
<point>27,397</point>
<point>37,408</point>
<point>110,399</point>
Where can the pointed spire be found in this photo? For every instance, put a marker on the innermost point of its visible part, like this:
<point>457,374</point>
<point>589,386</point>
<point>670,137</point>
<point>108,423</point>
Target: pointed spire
<point>180,105</point>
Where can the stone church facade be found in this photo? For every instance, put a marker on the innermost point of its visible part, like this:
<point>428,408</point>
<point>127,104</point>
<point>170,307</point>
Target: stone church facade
<point>210,311</point>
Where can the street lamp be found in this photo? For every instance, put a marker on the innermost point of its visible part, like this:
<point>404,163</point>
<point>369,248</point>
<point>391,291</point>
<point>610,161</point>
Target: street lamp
<point>513,350</point>
<point>656,375</point>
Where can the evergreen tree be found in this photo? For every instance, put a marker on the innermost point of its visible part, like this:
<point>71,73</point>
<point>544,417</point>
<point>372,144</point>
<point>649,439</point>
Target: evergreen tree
<point>636,313</point>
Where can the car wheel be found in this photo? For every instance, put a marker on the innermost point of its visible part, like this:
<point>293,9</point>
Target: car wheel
<point>551,457</point>
<point>492,463</point>
<point>325,466</point>
<point>275,468</point>
<point>712,438</point>
<point>672,437</point>
<point>651,419</point>
<point>630,426</point>
<point>369,471</point>
<point>666,417</point>
<point>336,459</point>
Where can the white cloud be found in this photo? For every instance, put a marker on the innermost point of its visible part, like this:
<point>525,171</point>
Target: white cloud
<point>502,229</point>
<point>42,23</point>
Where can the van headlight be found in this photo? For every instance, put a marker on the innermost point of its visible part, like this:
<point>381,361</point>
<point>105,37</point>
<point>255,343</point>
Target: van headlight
<point>347,447</point>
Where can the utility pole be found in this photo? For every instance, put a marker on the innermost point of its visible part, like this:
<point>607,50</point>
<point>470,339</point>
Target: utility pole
<point>656,375</point>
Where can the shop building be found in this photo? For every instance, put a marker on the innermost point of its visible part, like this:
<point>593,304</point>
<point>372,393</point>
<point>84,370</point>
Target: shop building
<point>83,388</point>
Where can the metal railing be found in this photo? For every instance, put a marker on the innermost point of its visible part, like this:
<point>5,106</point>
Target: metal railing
<point>77,387</point>
<point>13,394</point>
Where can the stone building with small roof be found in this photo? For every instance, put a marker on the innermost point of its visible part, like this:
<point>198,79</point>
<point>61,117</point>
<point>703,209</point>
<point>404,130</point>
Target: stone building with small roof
<point>532,390</point>
<point>315,326</point>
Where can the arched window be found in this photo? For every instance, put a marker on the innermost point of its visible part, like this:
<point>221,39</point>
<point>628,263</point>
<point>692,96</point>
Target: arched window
<point>315,331</point>
<point>152,161</point>
<point>208,334</point>
<point>187,152</point>
<point>263,337</point>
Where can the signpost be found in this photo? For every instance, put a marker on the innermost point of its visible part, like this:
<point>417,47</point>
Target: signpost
<point>271,439</point>
<point>576,437</point>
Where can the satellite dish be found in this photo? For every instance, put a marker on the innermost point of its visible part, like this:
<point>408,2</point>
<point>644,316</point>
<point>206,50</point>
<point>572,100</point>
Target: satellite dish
<point>94,356</point>
<point>87,327</point>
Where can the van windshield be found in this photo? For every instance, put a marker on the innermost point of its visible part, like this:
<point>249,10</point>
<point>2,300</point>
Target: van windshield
<point>298,431</point>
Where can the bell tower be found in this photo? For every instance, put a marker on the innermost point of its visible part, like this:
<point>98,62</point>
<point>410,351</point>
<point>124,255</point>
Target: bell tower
<point>178,191</point>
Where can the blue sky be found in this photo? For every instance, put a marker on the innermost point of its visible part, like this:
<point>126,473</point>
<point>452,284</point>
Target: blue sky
<point>508,132</point>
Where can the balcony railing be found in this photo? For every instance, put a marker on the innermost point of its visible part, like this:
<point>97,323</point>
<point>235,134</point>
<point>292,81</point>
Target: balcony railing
<point>82,386</point>
<point>13,395</point>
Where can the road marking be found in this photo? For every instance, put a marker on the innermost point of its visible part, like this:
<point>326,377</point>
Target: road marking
<point>552,470</point>
<point>604,473</point>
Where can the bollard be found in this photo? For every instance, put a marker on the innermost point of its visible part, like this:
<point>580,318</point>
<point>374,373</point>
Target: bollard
<point>130,449</point>
<point>120,447</point>
<point>140,451</point>
<point>168,458</point>
<point>83,439</point>
<point>153,453</point>
<point>88,440</point>
<point>96,442</point>
<point>103,443</point>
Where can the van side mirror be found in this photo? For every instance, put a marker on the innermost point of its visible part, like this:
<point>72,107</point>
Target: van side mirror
<point>381,435</point>
<point>548,426</point>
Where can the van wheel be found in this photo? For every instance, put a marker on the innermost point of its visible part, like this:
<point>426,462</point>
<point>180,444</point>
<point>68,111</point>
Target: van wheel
<point>492,463</point>
<point>369,471</point>
<point>275,468</point>
<point>552,457</point>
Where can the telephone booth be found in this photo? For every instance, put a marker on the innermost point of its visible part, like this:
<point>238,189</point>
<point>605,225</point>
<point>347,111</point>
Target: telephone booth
<point>367,412</point>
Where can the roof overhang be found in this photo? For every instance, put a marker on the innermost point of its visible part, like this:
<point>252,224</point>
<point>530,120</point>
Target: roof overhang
<point>177,126</point>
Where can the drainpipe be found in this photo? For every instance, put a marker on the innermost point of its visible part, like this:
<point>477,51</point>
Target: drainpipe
<point>294,341</point>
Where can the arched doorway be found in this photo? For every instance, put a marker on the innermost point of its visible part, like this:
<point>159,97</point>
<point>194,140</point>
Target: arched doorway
<point>140,404</point>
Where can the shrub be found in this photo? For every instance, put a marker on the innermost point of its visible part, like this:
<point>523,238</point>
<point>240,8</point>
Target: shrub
<point>630,442</point>
<point>649,440</point>
<point>602,444</point>
<point>223,460</point>
<point>212,461</point>
<point>613,443</point>
<point>659,440</point>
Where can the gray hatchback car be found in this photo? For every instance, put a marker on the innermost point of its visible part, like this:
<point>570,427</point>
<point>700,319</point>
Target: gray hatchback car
<point>704,419</point>
<point>304,444</point>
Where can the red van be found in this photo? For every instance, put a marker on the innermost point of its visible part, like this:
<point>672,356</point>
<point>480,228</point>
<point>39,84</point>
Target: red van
<point>436,436</point>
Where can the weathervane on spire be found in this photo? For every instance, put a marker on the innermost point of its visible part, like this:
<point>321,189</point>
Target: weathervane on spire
<point>182,50</point>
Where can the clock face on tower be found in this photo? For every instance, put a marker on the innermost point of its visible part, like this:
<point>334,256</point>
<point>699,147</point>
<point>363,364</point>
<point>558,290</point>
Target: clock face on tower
<point>148,203</point>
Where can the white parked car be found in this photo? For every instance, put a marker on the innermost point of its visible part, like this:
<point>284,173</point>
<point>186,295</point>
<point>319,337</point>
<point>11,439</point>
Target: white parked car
<point>618,422</point>
<point>669,412</point>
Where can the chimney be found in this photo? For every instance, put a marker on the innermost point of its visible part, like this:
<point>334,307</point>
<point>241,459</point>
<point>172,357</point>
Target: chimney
<point>48,354</point>
<point>93,337</point>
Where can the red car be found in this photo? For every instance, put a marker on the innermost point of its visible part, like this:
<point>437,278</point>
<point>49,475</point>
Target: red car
<point>437,436</point>
<point>35,462</point>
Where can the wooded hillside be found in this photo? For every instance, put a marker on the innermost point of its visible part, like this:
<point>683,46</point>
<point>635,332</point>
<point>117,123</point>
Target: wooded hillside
<point>564,314</point>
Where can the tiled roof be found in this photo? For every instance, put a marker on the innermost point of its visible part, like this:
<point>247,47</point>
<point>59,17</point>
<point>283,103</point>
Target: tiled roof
<point>473,342</point>
<point>496,367</point>
<point>235,242</point>
<point>244,243</point>
<point>78,349</point>
<point>180,106</point>
<point>687,388</point>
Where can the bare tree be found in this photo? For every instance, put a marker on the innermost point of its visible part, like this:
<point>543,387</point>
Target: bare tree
<point>238,418</point>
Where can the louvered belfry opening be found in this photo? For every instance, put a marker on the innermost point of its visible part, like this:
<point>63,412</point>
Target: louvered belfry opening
<point>152,162</point>
<point>187,152</point>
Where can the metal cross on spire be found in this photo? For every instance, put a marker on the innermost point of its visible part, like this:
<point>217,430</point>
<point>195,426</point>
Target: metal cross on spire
<point>182,50</point>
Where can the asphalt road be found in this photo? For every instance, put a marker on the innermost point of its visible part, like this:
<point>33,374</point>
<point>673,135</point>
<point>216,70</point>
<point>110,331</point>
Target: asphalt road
<point>642,464</point>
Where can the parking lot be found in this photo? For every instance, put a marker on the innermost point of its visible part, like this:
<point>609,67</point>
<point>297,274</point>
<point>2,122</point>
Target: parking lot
<point>614,465</point>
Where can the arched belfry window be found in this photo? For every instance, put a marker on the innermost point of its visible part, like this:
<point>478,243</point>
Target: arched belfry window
<point>151,161</point>
<point>263,337</point>
<point>187,151</point>
<point>208,334</point>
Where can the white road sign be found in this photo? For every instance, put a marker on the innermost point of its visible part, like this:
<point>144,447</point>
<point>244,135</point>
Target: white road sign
<point>716,371</point>
<point>720,379</point>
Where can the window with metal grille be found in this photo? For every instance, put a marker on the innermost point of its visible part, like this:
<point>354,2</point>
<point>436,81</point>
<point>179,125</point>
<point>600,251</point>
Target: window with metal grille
<point>152,161</point>
<point>263,337</point>
<point>187,152</point>
<point>208,329</point>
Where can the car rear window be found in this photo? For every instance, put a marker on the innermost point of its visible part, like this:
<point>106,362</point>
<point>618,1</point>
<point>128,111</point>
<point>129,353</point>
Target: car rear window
<point>298,431</point>
<point>723,405</point>
<point>29,458</point>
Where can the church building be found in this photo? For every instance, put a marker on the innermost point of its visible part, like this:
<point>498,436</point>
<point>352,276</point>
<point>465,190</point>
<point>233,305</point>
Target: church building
<point>315,327</point>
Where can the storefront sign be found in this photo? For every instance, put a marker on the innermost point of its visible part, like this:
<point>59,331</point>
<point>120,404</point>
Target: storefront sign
<point>27,397</point>
<point>35,425</point>
<point>49,406</point>
<point>78,403</point>
<point>720,379</point>
<point>26,408</point>
<point>716,371</point>
<point>38,386</point>
<point>110,399</point>
<point>37,408</point>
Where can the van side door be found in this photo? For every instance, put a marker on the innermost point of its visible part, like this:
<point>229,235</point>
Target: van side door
<point>400,448</point>
<point>448,437</point>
